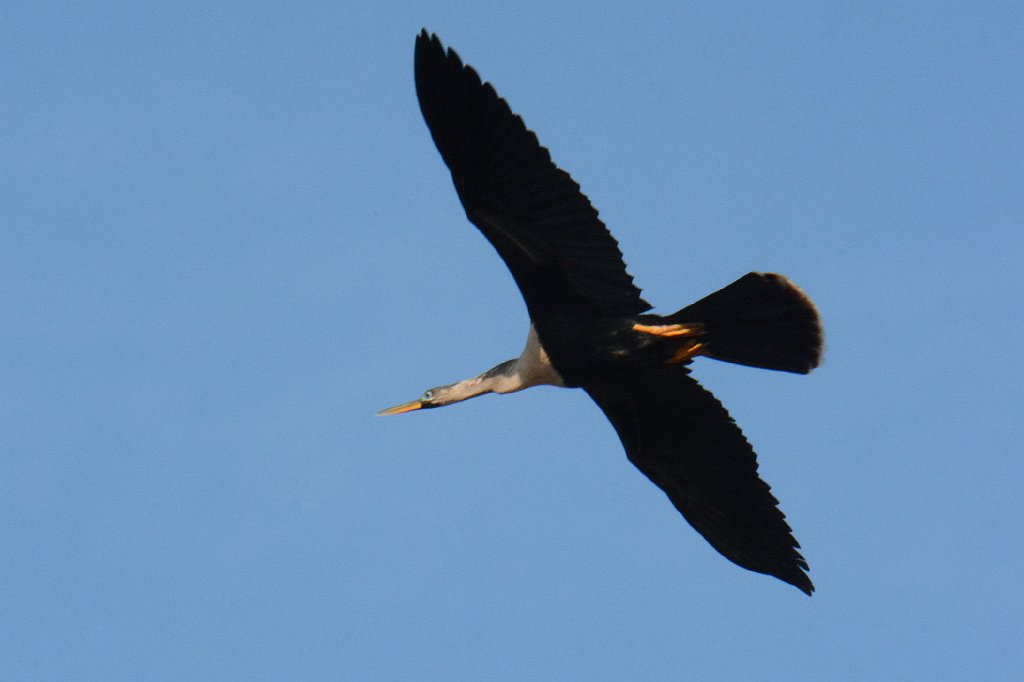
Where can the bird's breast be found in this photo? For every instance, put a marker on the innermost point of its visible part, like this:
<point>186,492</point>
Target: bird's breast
<point>534,366</point>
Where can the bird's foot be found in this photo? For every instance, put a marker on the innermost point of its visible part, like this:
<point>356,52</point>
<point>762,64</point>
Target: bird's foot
<point>671,330</point>
<point>690,350</point>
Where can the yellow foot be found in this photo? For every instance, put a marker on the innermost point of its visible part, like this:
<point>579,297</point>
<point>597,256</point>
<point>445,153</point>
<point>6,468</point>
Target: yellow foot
<point>670,330</point>
<point>688,351</point>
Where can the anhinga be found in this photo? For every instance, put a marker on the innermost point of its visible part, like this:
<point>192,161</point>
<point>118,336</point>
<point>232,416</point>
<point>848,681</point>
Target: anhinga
<point>589,328</point>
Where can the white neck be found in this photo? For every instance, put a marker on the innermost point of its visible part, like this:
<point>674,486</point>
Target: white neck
<point>531,368</point>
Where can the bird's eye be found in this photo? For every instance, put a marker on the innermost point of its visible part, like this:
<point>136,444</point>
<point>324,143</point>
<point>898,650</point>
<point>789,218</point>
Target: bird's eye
<point>428,395</point>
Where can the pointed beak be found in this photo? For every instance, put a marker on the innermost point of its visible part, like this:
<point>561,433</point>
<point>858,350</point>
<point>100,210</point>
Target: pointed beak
<point>399,409</point>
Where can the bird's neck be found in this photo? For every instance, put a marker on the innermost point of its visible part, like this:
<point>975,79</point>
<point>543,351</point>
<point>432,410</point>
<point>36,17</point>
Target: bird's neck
<point>531,368</point>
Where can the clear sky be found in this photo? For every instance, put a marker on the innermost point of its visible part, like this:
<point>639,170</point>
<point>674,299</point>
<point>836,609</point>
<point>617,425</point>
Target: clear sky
<point>226,240</point>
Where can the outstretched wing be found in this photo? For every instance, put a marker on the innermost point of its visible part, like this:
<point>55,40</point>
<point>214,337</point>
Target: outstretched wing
<point>530,210</point>
<point>679,435</point>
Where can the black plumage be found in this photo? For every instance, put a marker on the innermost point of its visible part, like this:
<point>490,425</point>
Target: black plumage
<point>531,211</point>
<point>593,330</point>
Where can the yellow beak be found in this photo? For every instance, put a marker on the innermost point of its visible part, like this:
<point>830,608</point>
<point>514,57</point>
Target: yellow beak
<point>399,409</point>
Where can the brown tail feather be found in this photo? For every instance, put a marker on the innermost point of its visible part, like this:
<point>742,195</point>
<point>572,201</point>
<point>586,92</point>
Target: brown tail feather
<point>761,320</point>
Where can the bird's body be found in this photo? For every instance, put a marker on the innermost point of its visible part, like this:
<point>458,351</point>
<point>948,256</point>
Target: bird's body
<point>591,329</point>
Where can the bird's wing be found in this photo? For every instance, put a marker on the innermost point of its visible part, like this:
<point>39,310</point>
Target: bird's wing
<point>531,211</point>
<point>679,435</point>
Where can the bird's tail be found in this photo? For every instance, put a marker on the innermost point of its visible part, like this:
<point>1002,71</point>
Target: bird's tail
<point>761,320</point>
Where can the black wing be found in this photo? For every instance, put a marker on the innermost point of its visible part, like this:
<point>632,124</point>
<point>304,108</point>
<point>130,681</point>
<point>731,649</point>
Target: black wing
<point>531,211</point>
<point>679,435</point>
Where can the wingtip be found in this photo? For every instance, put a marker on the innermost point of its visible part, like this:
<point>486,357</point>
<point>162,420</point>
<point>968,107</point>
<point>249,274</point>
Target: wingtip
<point>803,584</point>
<point>797,577</point>
<point>425,40</point>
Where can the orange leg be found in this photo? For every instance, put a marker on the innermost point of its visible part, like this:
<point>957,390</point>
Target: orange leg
<point>670,330</point>
<point>688,351</point>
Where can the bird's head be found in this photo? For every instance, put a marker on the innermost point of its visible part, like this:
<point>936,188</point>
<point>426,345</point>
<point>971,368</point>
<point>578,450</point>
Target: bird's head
<point>432,397</point>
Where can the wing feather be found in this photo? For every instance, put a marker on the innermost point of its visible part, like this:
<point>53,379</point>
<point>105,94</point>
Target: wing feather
<point>682,438</point>
<point>530,210</point>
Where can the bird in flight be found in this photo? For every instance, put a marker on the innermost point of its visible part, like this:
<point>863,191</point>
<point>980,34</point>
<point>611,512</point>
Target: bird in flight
<point>590,329</point>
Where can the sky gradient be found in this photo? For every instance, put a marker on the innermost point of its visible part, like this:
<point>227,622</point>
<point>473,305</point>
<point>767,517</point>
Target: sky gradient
<point>226,240</point>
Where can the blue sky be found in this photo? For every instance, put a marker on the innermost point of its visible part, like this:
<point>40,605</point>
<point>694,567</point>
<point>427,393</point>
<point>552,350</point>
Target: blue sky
<point>226,240</point>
